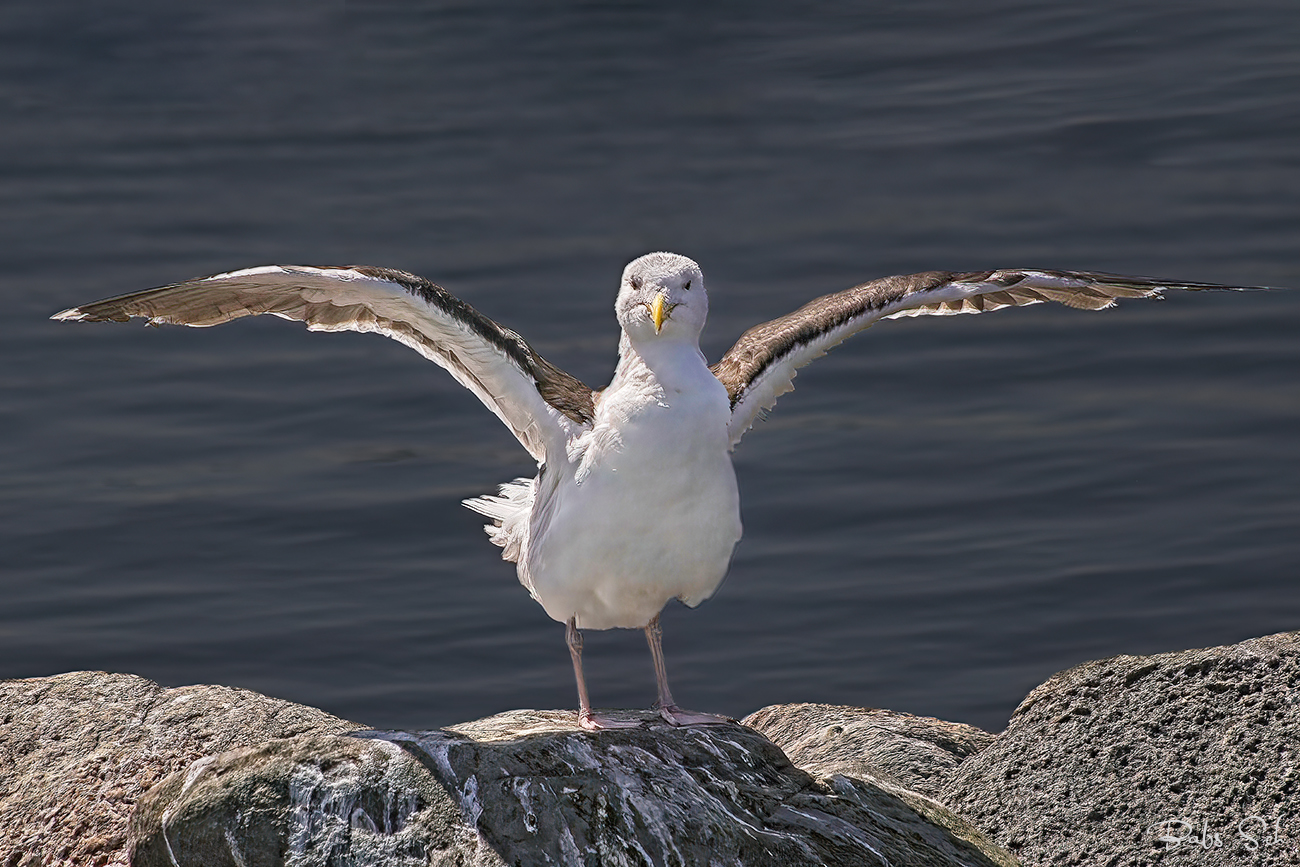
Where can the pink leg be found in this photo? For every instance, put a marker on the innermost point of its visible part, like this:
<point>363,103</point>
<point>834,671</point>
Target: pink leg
<point>587,719</point>
<point>668,708</point>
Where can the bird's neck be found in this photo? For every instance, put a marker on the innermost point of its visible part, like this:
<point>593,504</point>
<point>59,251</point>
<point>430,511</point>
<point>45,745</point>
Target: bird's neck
<point>673,363</point>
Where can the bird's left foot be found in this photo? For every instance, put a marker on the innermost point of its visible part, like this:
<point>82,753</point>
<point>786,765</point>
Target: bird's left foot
<point>678,717</point>
<point>594,722</point>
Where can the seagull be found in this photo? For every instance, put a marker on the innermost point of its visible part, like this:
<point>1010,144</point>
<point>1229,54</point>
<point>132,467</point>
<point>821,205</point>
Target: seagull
<point>635,500</point>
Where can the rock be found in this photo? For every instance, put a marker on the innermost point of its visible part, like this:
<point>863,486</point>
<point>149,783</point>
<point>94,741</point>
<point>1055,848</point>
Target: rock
<point>1186,757</point>
<point>1181,757</point>
<point>911,752</point>
<point>533,789</point>
<point>908,757</point>
<point>310,800</point>
<point>904,755</point>
<point>78,750</point>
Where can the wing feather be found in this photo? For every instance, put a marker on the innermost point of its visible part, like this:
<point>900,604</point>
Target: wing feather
<point>762,365</point>
<point>541,404</point>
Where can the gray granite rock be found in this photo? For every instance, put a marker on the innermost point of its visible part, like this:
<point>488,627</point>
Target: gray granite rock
<point>78,750</point>
<point>1186,758</point>
<point>527,787</point>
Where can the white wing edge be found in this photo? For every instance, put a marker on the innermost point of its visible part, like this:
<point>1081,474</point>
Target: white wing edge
<point>346,299</point>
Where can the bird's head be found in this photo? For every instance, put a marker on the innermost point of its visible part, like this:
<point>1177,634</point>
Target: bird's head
<point>662,298</point>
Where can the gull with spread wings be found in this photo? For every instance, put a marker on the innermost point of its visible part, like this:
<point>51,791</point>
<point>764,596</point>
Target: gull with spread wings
<point>635,500</point>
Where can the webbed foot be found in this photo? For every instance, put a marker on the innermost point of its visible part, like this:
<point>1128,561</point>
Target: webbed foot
<point>678,717</point>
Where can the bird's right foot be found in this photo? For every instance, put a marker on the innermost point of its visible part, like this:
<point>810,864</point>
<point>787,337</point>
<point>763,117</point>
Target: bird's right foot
<point>678,717</point>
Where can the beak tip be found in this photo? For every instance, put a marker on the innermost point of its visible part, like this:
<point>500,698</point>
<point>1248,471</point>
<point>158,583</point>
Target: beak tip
<point>659,311</point>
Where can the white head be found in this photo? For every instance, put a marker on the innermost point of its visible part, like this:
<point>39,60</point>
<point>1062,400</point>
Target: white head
<point>662,297</point>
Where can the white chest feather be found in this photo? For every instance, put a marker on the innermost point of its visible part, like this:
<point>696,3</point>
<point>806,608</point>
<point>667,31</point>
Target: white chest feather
<point>647,509</point>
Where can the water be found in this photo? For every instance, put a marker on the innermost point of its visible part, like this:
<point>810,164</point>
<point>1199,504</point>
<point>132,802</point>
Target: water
<point>944,513</point>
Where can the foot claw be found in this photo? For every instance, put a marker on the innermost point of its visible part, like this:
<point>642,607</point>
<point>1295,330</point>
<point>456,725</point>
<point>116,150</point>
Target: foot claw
<point>678,717</point>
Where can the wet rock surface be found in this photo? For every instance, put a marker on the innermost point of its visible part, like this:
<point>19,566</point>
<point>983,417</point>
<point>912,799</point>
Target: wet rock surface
<point>78,750</point>
<point>1186,758</point>
<point>545,793</point>
<point>310,800</point>
<point>527,787</point>
<point>110,769</point>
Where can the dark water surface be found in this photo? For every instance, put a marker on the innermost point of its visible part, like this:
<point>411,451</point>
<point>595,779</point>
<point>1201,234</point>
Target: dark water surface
<point>946,511</point>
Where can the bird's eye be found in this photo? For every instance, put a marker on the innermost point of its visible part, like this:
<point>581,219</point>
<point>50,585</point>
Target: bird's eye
<point>687,286</point>
<point>636,282</point>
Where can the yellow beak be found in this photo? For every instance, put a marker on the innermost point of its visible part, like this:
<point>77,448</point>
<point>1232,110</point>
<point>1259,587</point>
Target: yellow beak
<point>659,310</point>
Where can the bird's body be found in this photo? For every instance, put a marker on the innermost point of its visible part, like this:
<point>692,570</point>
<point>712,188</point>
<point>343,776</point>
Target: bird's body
<point>635,502</point>
<point>645,508</point>
<point>640,506</point>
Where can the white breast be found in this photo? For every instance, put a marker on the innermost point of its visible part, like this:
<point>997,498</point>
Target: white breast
<point>647,508</point>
